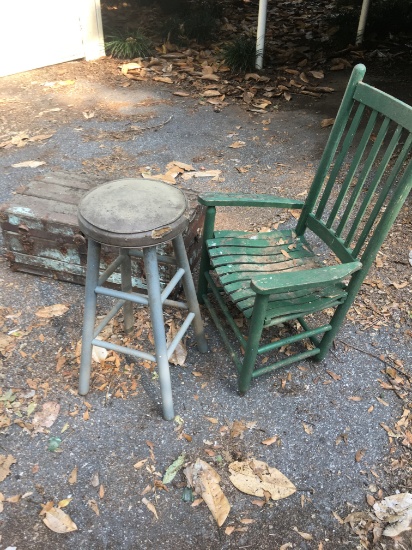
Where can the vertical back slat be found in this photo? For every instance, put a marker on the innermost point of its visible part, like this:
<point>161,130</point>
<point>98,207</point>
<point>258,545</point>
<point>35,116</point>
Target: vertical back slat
<point>353,167</point>
<point>347,142</point>
<point>374,184</point>
<point>363,175</point>
<point>331,146</point>
<point>384,193</point>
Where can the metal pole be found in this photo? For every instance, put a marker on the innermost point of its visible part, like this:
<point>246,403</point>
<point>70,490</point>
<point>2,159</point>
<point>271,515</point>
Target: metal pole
<point>362,21</point>
<point>261,30</point>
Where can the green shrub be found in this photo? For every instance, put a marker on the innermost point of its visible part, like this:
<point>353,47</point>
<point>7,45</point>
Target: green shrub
<point>127,45</point>
<point>240,55</point>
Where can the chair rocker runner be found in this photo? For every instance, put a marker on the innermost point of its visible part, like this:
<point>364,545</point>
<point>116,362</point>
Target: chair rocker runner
<point>363,179</point>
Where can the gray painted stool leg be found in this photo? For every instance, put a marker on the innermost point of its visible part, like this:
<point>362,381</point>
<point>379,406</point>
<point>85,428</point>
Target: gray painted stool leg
<point>190,292</point>
<point>92,276</point>
<point>156,315</point>
<point>126,271</point>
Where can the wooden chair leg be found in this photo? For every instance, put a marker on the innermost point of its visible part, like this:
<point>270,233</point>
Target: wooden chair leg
<point>255,333</point>
<point>92,277</point>
<point>205,266</point>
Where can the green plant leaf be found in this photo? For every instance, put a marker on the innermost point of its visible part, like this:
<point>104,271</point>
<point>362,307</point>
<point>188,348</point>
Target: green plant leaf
<point>173,469</point>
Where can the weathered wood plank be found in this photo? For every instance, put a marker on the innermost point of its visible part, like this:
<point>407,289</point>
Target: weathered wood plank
<point>41,233</point>
<point>51,191</point>
<point>274,257</point>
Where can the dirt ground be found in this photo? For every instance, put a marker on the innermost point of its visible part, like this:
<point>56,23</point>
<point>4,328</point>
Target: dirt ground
<point>327,417</point>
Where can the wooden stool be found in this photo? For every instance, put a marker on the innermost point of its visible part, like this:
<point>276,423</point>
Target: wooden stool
<point>130,214</point>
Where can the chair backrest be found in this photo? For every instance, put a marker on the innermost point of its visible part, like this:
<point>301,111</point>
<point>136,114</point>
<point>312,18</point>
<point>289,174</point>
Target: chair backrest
<point>365,173</point>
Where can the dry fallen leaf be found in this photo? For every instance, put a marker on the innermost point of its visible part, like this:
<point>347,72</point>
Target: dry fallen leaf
<point>359,455</point>
<point>334,375</point>
<point>94,482</point>
<point>58,521</point>
<point>150,507</point>
<point>308,429</point>
<point>214,174</point>
<point>182,165</point>
<point>52,311</point>
<point>93,505</point>
<point>65,502</point>
<point>212,420</point>
<point>46,417</point>
<point>211,93</point>
<point>327,122</point>
<point>317,74</point>
<point>140,463</point>
<point>5,463</point>
<point>237,429</point>
<point>271,440</point>
<point>237,144</point>
<point>179,355</point>
<point>14,499</point>
<point>73,476</point>
<point>205,481</point>
<point>29,164</point>
<point>396,510</point>
<point>306,536</point>
<point>255,477</point>
<point>181,94</point>
<point>165,79</point>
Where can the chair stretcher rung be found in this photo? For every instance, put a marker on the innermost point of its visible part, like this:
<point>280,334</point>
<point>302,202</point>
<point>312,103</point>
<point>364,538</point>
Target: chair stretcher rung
<point>131,296</point>
<point>109,270</point>
<point>293,339</point>
<point>172,283</point>
<point>123,349</point>
<point>135,297</point>
<point>285,362</point>
<point>179,335</point>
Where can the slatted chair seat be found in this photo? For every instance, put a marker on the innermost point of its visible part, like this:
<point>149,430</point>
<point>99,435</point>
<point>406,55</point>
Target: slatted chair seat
<point>363,179</point>
<point>238,256</point>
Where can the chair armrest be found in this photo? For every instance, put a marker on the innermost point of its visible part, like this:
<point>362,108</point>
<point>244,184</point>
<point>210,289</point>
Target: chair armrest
<point>305,279</point>
<point>245,199</point>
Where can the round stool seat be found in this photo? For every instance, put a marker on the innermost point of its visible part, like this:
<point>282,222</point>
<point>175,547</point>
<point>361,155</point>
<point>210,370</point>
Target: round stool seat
<point>131,213</point>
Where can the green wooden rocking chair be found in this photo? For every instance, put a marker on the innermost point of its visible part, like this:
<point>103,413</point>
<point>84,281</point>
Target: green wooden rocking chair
<point>363,179</point>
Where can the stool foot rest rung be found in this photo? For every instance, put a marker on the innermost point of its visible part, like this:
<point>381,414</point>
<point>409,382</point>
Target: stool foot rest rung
<point>135,297</point>
<point>179,335</point>
<point>110,270</point>
<point>171,284</point>
<point>107,318</point>
<point>123,349</point>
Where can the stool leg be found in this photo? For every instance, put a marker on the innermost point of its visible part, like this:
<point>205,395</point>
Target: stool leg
<point>156,316</point>
<point>190,292</point>
<point>92,277</point>
<point>126,271</point>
